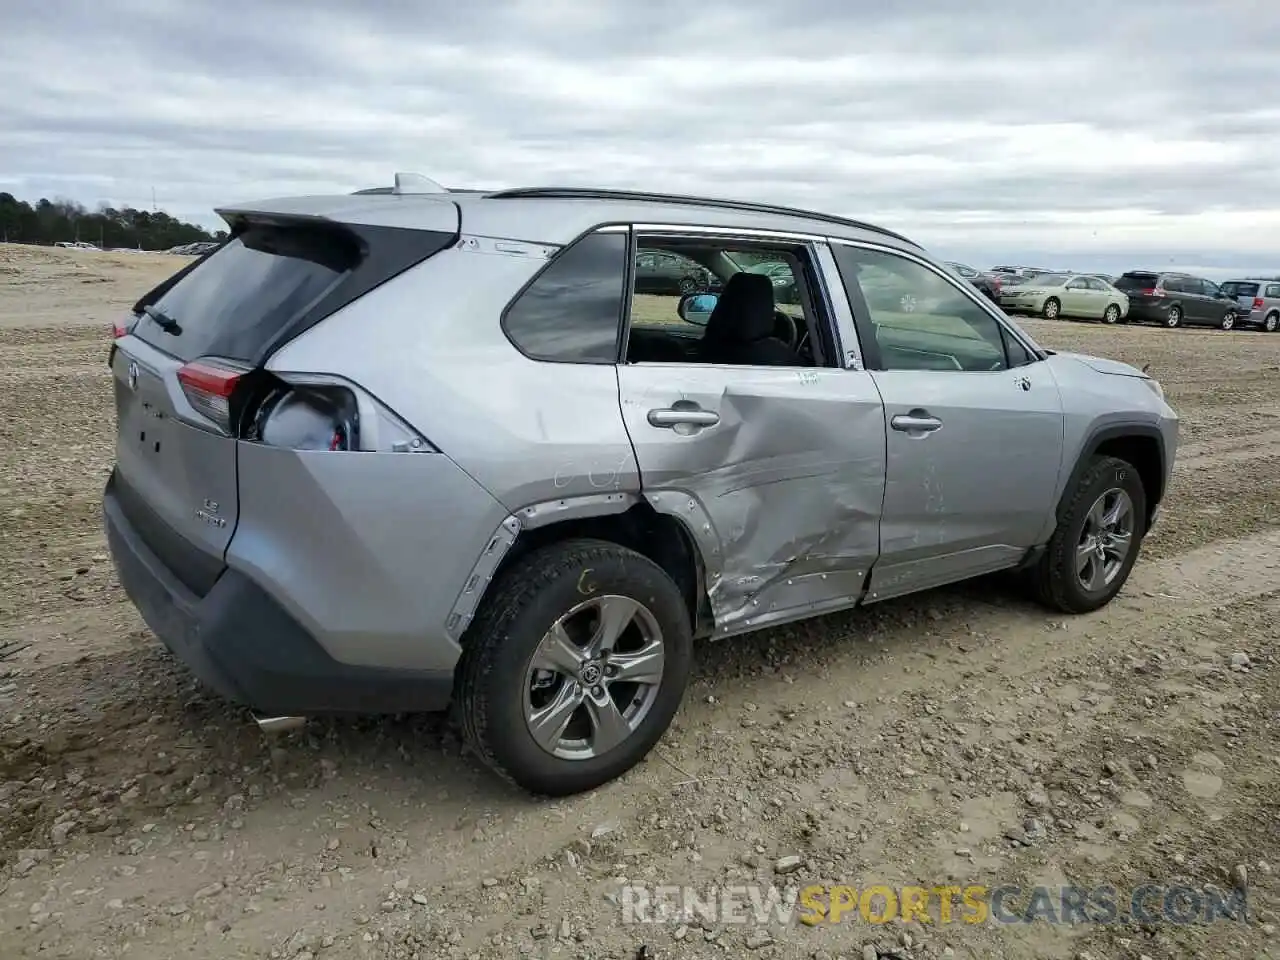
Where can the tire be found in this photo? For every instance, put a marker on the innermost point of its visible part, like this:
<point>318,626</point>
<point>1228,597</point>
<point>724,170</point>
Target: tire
<point>688,285</point>
<point>1174,319</point>
<point>1111,314</point>
<point>494,687</point>
<point>1271,322</point>
<point>1228,320</point>
<point>1056,577</point>
<point>1052,309</point>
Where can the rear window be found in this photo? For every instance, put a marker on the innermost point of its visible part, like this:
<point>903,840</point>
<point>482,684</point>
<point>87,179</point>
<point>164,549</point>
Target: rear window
<point>234,302</point>
<point>1233,289</point>
<point>1137,281</point>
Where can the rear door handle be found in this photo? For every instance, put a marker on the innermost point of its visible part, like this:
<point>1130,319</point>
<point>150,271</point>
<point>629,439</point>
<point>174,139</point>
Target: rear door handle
<point>671,417</point>
<point>915,423</point>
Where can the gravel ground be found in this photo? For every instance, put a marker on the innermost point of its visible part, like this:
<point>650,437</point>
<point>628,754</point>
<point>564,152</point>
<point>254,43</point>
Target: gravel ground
<point>959,737</point>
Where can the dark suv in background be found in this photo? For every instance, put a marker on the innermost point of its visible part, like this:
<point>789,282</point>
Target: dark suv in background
<point>1177,299</point>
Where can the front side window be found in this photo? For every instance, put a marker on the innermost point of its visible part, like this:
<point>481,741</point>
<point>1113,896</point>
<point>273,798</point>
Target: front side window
<point>572,312</point>
<point>914,318</point>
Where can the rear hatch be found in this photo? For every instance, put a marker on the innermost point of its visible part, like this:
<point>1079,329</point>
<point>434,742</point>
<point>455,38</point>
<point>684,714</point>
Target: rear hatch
<point>1244,293</point>
<point>1140,286</point>
<point>176,442</point>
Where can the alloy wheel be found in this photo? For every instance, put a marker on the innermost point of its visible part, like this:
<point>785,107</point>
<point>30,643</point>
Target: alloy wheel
<point>594,677</point>
<point>1106,540</point>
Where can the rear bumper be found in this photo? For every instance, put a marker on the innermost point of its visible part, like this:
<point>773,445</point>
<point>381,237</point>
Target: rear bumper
<point>242,644</point>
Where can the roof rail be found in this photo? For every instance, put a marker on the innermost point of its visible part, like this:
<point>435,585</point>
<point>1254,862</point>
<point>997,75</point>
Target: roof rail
<point>588,193</point>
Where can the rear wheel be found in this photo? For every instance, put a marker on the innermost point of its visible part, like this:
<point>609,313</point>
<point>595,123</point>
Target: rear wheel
<point>1051,308</point>
<point>688,285</point>
<point>1174,319</point>
<point>575,666</point>
<point>1271,322</point>
<point>1228,320</point>
<point>1097,539</point>
<point>1111,314</point>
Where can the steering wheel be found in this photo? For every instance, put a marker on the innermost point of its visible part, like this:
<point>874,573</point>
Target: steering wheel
<point>793,330</point>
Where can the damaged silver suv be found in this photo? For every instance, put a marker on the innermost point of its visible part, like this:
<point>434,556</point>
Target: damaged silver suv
<point>418,448</point>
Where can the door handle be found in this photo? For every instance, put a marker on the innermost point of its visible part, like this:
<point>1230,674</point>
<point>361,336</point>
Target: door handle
<point>671,417</point>
<point>915,423</point>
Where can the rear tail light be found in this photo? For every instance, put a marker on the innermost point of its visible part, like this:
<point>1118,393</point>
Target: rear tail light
<point>1152,292</point>
<point>1258,303</point>
<point>295,411</point>
<point>209,385</point>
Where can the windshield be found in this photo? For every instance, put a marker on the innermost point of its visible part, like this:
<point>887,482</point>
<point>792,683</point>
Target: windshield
<point>1233,288</point>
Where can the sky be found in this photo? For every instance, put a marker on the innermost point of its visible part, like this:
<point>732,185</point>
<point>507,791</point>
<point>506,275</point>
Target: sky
<point>1085,135</point>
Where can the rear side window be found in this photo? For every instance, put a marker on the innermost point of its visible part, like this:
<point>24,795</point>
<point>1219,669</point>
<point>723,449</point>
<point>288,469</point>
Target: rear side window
<point>234,302</point>
<point>1232,289</point>
<point>572,312</point>
<point>1273,290</point>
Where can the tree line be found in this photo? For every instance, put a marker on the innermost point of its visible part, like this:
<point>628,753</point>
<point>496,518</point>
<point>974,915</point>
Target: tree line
<point>54,221</point>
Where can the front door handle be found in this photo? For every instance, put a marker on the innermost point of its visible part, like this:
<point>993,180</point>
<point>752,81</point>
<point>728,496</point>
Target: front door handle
<point>672,416</point>
<point>915,423</point>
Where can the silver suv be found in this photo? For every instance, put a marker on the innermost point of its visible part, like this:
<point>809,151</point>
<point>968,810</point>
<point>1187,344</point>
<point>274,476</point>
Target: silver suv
<point>1259,301</point>
<point>415,448</point>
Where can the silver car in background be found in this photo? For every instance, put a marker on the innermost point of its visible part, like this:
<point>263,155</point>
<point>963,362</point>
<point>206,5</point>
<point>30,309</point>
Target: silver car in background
<point>1259,302</point>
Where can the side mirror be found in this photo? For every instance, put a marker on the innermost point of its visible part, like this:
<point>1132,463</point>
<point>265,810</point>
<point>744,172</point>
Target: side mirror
<point>696,308</point>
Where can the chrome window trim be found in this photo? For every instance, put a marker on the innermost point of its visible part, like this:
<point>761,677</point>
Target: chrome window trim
<point>745,233</point>
<point>841,320</point>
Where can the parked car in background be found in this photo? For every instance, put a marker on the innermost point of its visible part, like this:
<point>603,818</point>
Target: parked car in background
<point>671,273</point>
<point>1054,295</point>
<point>1024,271</point>
<point>1177,299</point>
<point>781,276</point>
<point>1261,298</point>
<point>197,249</point>
<point>1006,279</point>
<point>989,284</point>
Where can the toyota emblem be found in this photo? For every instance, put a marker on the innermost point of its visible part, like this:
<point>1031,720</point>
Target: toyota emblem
<point>133,375</point>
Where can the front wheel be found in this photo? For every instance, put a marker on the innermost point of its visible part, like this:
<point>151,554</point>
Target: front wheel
<point>1051,309</point>
<point>1228,320</point>
<point>1111,314</point>
<point>575,666</point>
<point>1097,539</point>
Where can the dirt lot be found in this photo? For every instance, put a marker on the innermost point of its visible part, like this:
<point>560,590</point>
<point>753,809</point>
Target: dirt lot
<point>961,737</point>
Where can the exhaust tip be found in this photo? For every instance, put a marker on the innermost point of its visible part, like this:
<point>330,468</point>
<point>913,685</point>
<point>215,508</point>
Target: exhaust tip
<point>279,724</point>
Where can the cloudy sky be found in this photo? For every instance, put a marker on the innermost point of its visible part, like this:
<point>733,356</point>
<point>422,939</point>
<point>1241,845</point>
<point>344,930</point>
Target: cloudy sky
<point>991,131</point>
